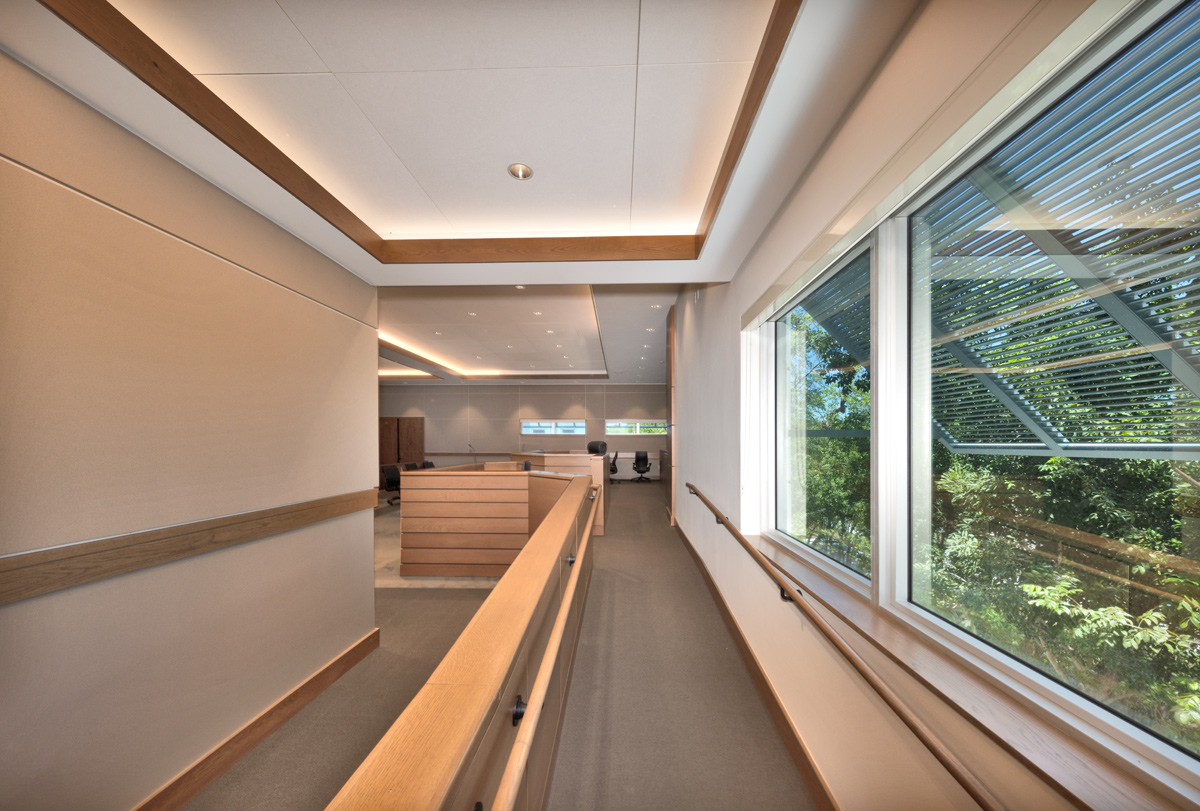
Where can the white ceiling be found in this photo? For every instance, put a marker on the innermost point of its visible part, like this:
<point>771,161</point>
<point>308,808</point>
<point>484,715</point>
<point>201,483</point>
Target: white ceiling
<point>411,113</point>
<point>389,115</point>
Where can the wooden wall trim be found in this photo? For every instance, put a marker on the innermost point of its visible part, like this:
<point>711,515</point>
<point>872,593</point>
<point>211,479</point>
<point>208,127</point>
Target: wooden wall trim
<point>779,27</point>
<point>194,779</point>
<point>813,779</point>
<point>44,571</point>
<point>113,33</point>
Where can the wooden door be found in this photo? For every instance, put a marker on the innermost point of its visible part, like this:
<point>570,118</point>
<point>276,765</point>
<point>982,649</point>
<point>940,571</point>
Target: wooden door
<point>411,441</point>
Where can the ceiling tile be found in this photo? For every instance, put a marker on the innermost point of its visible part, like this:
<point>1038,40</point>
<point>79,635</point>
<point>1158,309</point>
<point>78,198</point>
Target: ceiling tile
<point>316,123</point>
<point>675,31</point>
<point>382,35</point>
<point>458,131</point>
<point>224,36</point>
<point>684,115</point>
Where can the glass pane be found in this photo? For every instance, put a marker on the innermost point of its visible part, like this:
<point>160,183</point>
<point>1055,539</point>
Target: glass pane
<point>652,428</point>
<point>1056,435</point>
<point>621,428</point>
<point>537,427</point>
<point>569,428</point>
<point>823,480</point>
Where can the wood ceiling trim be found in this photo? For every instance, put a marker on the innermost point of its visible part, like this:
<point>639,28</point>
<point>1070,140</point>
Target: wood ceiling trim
<point>538,249</point>
<point>779,26</point>
<point>113,33</point>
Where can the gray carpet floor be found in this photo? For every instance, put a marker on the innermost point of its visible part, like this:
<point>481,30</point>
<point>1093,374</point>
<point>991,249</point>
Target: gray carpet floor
<point>302,765</point>
<point>662,713</point>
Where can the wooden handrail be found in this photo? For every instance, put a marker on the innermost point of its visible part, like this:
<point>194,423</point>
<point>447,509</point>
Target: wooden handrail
<point>957,769</point>
<point>514,771</point>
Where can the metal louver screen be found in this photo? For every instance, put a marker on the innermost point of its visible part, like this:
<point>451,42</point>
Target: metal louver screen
<point>1061,273</point>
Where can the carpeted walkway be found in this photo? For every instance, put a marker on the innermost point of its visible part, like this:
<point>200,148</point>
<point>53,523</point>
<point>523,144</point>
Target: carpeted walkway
<point>304,763</point>
<point>662,713</point>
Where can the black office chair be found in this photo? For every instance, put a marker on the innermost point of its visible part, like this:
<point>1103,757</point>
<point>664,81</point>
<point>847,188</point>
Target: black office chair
<point>597,447</point>
<point>612,465</point>
<point>527,466</point>
<point>411,466</point>
<point>391,482</point>
<point>427,464</point>
<point>641,465</point>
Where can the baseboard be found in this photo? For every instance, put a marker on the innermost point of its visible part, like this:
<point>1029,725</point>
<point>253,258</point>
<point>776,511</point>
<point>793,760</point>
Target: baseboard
<point>191,781</point>
<point>816,784</point>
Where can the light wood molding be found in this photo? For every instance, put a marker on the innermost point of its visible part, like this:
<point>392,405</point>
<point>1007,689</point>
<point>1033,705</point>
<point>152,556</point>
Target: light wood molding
<point>113,33</point>
<point>452,569</point>
<point>189,783</point>
<point>813,779</point>
<point>32,574</point>
<point>779,26</point>
<point>449,747</point>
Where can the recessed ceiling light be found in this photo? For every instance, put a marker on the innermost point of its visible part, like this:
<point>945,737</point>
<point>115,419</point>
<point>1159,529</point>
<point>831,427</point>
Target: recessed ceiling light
<point>655,306</point>
<point>520,287</point>
<point>566,356</point>
<point>520,171</point>
<point>643,357</point>
<point>570,365</point>
<point>558,346</point>
<point>645,346</point>
<point>470,313</point>
<point>549,332</point>
<point>437,333</point>
<point>510,346</point>
<point>648,329</point>
<point>536,312</point>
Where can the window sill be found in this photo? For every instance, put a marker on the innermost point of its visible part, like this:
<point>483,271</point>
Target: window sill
<point>1060,754</point>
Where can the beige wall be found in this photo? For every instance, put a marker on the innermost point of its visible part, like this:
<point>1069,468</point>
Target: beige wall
<point>952,60</point>
<point>489,416</point>
<point>166,356</point>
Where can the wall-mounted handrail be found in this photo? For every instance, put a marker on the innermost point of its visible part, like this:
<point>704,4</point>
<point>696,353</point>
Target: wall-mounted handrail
<point>957,769</point>
<point>514,771</point>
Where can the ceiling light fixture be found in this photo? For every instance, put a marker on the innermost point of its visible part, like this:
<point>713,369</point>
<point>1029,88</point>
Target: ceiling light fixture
<point>536,312</point>
<point>549,332</point>
<point>648,329</point>
<point>520,171</point>
<point>470,313</point>
<point>520,287</point>
<point>655,306</point>
<point>510,346</point>
<point>435,332</point>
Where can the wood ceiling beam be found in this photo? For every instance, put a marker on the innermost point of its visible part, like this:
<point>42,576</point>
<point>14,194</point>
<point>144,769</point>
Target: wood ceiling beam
<point>113,33</point>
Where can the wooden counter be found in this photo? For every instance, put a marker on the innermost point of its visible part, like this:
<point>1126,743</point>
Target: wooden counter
<point>574,462</point>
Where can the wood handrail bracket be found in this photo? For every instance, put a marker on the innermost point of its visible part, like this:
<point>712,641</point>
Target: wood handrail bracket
<point>484,727</point>
<point>957,769</point>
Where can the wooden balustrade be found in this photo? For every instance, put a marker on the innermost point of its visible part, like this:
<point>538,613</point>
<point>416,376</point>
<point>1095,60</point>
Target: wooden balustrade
<point>462,739</point>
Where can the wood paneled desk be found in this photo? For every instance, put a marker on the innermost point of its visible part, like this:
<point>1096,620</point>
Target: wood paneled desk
<point>578,462</point>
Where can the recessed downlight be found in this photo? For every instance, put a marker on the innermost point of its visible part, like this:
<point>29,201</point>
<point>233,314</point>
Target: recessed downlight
<point>537,312</point>
<point>520,171</point>
<point>470,313</point>
<point>648,329</point>
<point>520,287</point>
<point>549,332</point>
<point>655,306</point>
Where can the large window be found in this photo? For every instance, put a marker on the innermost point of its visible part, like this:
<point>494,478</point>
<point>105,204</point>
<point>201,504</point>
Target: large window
<point>823,445</point>
<point>540,427</point>
<point>1056,390</point>
<point>635,427</point>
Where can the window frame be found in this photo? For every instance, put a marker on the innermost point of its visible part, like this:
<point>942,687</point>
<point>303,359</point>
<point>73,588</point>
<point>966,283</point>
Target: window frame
<point>554,428</point>
<point>638,422</point>
<point>1169,769</point>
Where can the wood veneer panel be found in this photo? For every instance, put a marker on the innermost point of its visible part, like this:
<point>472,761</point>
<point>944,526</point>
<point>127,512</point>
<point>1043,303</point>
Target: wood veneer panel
<point>410,439</point>
<point>457,556</point>
<point>389,441</point>
<point>45,571</point>
<point>417,496</point>
<point>537,249</point>
<point>452,570</point>
<point>465,509</point>
<point>431,480</point>
<point>204,771</point>
<point>122,40</point>
<point>779,26</point>
<point>464,540</point>
<point>453,524</point>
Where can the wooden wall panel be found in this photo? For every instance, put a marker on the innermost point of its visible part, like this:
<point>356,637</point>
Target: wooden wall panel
<point>456,521</point>
<point>389,441</point>
<point>410,440</point>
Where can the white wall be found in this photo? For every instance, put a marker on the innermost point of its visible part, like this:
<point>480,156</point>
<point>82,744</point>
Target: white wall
<point>166,356</point>
<point>489,416</point>
<point>946,66</point>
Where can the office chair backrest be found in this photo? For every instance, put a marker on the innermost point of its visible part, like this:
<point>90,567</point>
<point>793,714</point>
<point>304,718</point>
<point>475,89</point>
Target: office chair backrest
<point>391,477</point>
<point>427,464</point>
<point>527,466</point>
<point>641,461</point>
<point>612,464</point>
<point>411,466</point>
<point>597,447</point>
